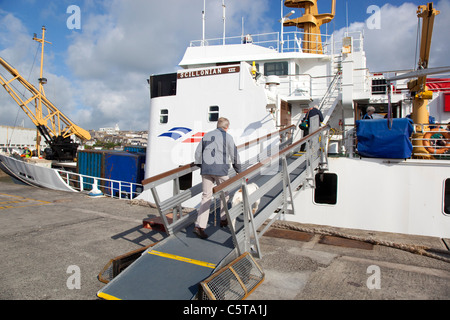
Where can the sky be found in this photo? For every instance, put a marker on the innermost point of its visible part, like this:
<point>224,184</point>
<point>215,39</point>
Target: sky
<point>103,51</point>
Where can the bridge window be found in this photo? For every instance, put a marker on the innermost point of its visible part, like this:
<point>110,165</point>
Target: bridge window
<point>164,116</point>
<point>379,86</point>
<point>276,68</point>
<point>163,85</point>
<point>213,115</point>
<point>326,188</point>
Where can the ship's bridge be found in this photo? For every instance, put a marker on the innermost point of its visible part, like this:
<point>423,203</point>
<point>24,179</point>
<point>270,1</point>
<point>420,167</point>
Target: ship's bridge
<point>302,77</point>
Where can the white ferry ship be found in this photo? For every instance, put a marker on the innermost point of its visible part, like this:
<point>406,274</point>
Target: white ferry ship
<point>265,84</point>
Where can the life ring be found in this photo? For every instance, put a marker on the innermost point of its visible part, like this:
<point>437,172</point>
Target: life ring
<point>433,149</point>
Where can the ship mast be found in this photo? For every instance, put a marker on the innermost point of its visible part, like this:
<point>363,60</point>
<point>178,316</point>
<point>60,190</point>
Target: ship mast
<point>310,22</point>
<point>42,81</point>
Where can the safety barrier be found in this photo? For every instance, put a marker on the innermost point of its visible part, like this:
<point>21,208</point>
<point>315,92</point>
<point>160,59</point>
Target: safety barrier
<point>108,187</point>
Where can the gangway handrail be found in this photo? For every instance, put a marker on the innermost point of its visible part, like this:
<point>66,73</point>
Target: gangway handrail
<point>245,174</point>
<point>187,168</point>
<point>264,138</point>
<point>173,203</point>
<point>315,156</point>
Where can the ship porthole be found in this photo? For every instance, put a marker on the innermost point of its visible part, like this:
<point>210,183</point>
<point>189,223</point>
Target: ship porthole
<point>326,188</point>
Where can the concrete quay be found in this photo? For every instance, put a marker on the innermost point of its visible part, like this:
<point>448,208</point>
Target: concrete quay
<point>48,236</point>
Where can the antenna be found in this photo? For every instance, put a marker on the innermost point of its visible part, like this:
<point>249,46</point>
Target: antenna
<point>203,22</point>
<point>346,14</point>
<point>242,28</point>
<point>224,19</point>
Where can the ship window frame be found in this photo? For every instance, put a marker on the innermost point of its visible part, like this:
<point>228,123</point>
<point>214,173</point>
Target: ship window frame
<point>279,68</point>
<point>321,199</point>
<point>163,117</point>
<point>446,197</point>
<point>212,114</point>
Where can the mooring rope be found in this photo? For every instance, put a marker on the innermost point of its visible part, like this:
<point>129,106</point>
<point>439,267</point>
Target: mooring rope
<point>416,249</point>
<point>421,250</point>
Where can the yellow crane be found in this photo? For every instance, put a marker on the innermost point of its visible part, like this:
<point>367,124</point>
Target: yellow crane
<point>54,126</point>
<point>417,87</point>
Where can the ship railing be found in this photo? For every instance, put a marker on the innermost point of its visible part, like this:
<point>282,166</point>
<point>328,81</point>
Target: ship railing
<point>101,186</point>
<point>438,146</point>
<point>292,42</point>
<point>304,86</point>
<point>269,40</point>
<point>277,178</point>
<point>170,209</point>
<point>357,44</point>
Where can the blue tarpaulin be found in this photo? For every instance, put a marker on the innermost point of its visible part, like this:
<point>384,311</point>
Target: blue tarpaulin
<point>376,140</point>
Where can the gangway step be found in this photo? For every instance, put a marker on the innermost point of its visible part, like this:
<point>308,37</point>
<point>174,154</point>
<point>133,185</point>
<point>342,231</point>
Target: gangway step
<point>172,269</point>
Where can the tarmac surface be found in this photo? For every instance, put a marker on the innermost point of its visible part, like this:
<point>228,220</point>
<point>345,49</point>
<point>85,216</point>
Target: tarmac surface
<point>54,244</point>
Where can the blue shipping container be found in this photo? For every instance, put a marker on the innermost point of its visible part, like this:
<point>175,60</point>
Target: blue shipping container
<point>126,167</point>
<point>91,163</point>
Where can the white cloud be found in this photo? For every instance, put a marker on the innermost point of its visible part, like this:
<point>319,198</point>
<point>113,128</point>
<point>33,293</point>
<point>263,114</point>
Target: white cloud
<point>116,51</point>
<point>18,47</point>
<point>393,45</point>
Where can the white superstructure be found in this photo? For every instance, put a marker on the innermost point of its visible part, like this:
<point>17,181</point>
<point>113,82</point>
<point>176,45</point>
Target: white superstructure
<point>263,84</point>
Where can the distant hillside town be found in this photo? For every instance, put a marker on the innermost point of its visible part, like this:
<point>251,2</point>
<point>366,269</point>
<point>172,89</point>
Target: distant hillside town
<point>104,138</point>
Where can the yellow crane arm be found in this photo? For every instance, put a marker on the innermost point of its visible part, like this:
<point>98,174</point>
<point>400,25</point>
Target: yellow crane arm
<point>427,13</point>
<point>55,122</point>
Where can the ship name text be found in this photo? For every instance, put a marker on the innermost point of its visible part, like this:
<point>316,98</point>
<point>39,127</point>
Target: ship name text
<point>207,72</point>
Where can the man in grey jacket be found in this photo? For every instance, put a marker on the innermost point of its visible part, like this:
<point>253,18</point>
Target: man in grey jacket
<point>214,154</point>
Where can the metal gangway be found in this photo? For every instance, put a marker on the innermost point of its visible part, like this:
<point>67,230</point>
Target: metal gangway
<point>174,267</point>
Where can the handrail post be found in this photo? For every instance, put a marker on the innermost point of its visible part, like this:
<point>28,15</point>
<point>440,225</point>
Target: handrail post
<point>177,210</point>
<point>323,140</point>
<point>161,214</point>
<point>231,224</point>
<point>249,222</point>
<point>287,188</point>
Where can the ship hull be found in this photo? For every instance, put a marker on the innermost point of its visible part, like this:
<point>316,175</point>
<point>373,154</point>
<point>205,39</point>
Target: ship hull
<point>399,196</point>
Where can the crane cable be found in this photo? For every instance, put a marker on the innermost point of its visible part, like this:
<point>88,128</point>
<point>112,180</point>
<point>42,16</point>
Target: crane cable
<point>417,44</point>
<point>23,94</point>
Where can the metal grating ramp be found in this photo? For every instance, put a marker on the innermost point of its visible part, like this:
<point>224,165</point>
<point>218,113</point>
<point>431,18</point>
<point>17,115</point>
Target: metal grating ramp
<point>236,281</point>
